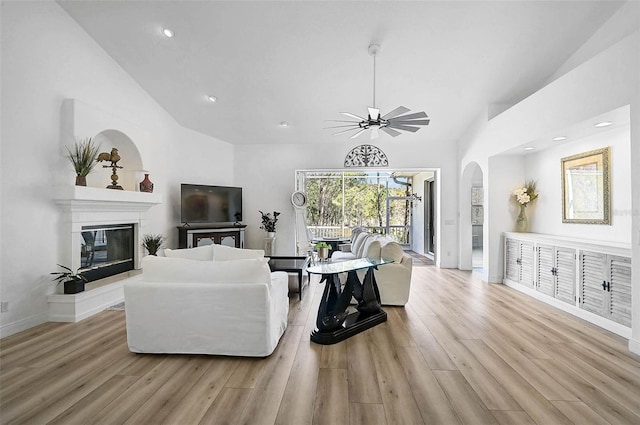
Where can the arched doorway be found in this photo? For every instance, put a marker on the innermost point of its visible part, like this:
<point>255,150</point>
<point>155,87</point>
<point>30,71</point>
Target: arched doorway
<point>471,217</point>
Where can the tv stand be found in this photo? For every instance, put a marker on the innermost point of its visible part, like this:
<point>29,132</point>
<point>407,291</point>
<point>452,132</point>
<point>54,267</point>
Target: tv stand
<point>195,235</point>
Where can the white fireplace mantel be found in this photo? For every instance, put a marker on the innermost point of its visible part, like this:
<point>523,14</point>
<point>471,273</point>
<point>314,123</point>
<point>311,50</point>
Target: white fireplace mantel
<point>90,206</point>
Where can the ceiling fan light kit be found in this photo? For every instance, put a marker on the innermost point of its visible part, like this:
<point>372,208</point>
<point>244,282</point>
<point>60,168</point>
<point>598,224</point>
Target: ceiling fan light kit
<point>390,123</point>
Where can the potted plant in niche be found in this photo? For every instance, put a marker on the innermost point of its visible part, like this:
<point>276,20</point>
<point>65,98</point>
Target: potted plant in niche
<point>83,157</point>
<point>269,222</point>
<point>73,281</point>
<point>323,249</point>
<point>152,243</point>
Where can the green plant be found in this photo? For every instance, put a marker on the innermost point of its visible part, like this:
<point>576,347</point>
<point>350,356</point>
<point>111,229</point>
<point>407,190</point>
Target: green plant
<point>268,221</point>
<point>153,242</point>
<point>323,245</point>
<point>67,275</point>
<point>83,156</point>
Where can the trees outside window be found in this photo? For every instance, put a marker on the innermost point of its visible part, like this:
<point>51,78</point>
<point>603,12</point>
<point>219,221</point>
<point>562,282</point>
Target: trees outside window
<point>337,202</point>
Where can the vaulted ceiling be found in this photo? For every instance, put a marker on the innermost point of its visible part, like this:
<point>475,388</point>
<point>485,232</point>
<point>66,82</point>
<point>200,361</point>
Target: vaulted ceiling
<point>304,62</point>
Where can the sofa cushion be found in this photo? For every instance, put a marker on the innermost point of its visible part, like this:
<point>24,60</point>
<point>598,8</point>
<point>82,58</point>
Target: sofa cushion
<point>201,253</point>
<point>391,250</point>
<point>166,269</point>
<point>357,243</point>
<point>222,253</point>
<point>371,248</point>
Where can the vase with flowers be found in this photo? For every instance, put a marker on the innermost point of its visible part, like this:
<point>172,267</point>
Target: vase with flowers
<point>524,196</point>
<point>269,225</point>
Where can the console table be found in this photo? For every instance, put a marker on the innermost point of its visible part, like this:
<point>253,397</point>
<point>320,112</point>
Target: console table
<point>221,234</point>
<point>335,323</point>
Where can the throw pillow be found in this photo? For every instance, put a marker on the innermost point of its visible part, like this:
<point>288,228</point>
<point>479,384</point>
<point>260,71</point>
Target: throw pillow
<point>392,251</point>
<point>358,244</point>
<point>371,248</point>
<point>224,253</point>
<point>200,253</point>
<point>180,270</point>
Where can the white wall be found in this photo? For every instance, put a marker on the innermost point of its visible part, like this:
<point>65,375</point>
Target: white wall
<point>47,58</point>
<point>607,81</point>
<point>268,178</point>
<point>545,214</point>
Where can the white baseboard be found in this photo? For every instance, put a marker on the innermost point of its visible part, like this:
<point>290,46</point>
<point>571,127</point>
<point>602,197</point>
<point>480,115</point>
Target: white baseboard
<point>8,329</point>
<point>634,346</point>
<point>607,324</point>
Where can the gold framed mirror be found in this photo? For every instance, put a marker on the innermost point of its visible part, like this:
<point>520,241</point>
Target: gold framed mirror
<point>586,187</point>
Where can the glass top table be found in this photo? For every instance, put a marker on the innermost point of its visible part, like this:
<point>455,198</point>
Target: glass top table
<point>346,266</point>
<point>336,319</point>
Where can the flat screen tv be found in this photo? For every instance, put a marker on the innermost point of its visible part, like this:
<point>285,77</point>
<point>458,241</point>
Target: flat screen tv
<point>210,204</point>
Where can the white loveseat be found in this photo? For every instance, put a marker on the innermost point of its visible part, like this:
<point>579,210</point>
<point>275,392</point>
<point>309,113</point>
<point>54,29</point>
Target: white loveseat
<point>394,280</point>
<point>207,300</point>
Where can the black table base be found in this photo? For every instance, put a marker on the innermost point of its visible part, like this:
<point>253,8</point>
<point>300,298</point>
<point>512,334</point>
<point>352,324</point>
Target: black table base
<point>334,323</point>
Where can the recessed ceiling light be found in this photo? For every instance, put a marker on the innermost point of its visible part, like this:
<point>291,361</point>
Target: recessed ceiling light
<point>559,138</point>
<point>529,148</point>
<point>167,32</point>
<point>284,124</point>
<point>603,124</point>
<point>212,99</point>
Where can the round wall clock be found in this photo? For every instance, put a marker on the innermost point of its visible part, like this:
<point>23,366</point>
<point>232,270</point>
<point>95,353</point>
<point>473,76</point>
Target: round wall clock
<point>299,199</point>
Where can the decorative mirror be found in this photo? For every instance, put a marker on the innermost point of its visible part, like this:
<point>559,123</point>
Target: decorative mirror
<point>585,188</point>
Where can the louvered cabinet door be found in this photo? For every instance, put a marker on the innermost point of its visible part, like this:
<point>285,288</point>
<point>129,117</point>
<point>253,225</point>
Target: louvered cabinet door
<point>619,290</point>
<point>545,271</point>
<point>565,288</point>
<point>527,262</point>
<point>512,263</point>
<point>593,296</point>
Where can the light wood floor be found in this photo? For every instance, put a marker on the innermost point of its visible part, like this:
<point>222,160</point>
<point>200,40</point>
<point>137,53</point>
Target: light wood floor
<point>461,352</point>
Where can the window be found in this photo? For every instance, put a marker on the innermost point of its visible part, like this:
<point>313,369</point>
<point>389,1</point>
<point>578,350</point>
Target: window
<point>339,201</point>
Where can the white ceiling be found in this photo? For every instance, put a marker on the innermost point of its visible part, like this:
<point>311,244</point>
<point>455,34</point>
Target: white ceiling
<point>303,62</point>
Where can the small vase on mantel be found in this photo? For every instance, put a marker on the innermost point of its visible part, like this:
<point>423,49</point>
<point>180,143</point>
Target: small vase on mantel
<point>146,185</point>
<point>522,224</point>
<point>81,180</point>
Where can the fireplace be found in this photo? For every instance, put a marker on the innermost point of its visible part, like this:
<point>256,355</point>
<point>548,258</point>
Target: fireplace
<point>106,250</point>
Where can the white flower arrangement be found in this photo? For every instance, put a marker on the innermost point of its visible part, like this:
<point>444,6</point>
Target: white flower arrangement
<point>526,194</point>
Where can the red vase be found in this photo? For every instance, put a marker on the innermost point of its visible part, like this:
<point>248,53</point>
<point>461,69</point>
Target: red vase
<point>146,185</point>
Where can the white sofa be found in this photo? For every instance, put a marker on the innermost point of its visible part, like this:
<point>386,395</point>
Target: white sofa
<point>207,300</point>
<point>394,280</point>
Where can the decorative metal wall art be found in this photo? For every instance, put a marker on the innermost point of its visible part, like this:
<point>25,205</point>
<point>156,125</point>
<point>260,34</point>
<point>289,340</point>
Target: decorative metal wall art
<point>366,156</point>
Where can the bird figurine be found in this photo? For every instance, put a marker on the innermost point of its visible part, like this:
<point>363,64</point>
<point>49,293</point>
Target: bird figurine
<point>114,158</point>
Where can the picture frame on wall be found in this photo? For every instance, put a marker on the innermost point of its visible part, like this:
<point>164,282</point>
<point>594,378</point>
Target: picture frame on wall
<point>586,191</point>
<point>477,196</point>
<point>477,214</point>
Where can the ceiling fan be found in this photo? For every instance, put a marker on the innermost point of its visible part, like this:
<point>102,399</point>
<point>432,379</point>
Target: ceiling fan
<point>390,123</point>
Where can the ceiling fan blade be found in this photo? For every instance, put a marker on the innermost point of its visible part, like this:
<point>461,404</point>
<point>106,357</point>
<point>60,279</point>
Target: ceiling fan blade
<point>398,111</point>
<point>412,116</point>
<point>374,113</point>
<point>358,133</point>
<point>390,131</point>
<point>404,127</point>
<point>355,122</point>
<point>349,114</point>
<point>410,122</point>
<point>374,133</point>
<point>343,131</point>
<point>353,126</point>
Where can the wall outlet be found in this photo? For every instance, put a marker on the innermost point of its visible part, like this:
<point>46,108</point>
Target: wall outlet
<point>4,306</point>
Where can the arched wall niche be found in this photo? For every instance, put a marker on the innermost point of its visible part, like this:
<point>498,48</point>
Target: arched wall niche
<point>80,120</point>
<point>131,161</point>
<point>472,176</point>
